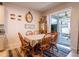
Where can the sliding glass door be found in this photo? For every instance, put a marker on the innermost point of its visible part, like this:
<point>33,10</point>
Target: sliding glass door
<point>54,24</point>
<point>60,22</point>
<point>64,31</point>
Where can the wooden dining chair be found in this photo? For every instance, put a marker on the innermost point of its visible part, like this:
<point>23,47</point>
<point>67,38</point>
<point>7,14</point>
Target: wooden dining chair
<point>45,44</point>
<point>29,33</point>
<point>25,46</point>
<point>53,42</point>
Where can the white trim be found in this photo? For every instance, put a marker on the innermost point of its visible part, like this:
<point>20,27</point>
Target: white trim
<point>60,11</point>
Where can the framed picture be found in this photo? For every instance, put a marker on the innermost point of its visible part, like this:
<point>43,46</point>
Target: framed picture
<point>29,17</point>
<point>12,16</point>
<point>29,26</point>
<point>43,25</point>
<point>19,17</point>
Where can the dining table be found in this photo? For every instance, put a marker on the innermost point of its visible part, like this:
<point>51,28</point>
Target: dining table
<point>34,39</point>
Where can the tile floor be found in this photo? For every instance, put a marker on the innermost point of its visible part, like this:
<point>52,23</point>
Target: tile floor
<point>73,54</point>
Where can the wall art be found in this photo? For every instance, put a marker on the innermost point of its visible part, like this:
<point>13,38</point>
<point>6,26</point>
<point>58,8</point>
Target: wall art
<point>29,17</point>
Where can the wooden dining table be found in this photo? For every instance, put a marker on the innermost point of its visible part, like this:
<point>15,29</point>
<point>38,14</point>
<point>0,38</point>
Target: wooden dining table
<point>34,39</point>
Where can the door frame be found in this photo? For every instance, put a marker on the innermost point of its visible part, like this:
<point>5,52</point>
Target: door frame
<point>57,12</point>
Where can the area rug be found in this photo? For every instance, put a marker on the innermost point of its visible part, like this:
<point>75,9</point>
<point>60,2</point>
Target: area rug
<point>62,52</point>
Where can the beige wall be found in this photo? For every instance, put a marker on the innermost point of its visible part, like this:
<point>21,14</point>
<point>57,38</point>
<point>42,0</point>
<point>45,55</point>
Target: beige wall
<point>15,26</point>
<point>74,20</point>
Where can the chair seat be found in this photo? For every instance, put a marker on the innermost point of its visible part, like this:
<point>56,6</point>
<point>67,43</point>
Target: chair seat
<point>44,46</point>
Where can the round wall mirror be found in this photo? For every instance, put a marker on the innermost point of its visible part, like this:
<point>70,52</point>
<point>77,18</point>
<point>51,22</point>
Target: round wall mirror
<point>29,17</point>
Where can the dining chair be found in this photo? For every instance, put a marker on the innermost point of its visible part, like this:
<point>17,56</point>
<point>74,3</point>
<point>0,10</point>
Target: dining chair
<point>37,51</point>
<point>29,33</point>
<point>25,46</point>
<point>45,44</point>
<point>53,41</point>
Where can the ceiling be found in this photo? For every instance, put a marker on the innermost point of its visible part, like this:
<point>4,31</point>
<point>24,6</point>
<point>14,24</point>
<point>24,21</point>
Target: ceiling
<point>39,6</point>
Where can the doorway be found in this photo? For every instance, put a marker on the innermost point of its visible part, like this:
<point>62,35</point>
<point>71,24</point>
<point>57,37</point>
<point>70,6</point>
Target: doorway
<point>60,22</point>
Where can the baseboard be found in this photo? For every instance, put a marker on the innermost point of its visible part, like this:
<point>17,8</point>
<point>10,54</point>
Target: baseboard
<point>74,50</point>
